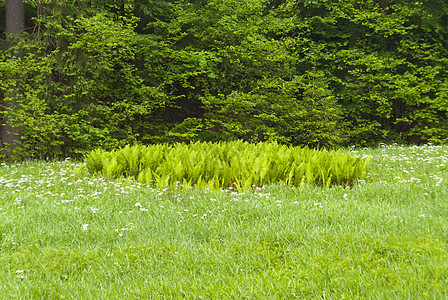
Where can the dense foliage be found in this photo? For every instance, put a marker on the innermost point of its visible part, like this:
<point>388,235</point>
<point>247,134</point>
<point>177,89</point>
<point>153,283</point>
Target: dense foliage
<point>103,73</point>
<point>238,165</point>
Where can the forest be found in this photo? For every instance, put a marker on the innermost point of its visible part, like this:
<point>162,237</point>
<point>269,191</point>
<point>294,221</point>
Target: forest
<point>90,74</point>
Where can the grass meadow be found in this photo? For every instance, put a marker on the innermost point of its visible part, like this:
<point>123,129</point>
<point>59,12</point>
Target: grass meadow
<point>65,236</point>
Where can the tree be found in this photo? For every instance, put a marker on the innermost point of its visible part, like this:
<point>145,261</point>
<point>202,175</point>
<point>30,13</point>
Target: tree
<point>15,25</point>
<point>15,17</point>
<point>105,73</point>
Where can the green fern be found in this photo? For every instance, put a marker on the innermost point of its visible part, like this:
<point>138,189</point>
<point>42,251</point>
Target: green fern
<point>238,164</point>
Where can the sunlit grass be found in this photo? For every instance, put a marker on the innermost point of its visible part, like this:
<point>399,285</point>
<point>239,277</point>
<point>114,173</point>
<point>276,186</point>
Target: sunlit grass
<point>71,237</point>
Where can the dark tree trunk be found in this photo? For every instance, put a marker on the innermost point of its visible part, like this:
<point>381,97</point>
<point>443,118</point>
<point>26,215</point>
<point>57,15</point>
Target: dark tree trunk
<point>15,24</point>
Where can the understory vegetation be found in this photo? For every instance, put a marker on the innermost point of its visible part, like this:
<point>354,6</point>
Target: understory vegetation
<point>63,235</point>
<point>235,164</point>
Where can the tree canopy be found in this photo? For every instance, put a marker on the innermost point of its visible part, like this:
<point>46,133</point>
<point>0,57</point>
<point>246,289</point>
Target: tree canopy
<point>321,73</point>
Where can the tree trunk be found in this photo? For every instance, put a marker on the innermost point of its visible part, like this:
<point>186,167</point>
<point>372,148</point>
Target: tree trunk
<point>15,17</point>
<point>15,24</point>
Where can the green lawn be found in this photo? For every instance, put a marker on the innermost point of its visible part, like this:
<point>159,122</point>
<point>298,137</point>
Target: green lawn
<point>65,237</point>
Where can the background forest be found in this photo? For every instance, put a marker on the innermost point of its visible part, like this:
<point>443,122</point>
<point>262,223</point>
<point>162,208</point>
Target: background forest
<point>323,73</point>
